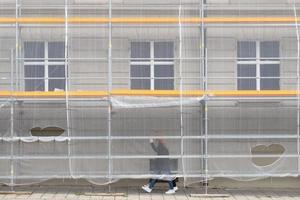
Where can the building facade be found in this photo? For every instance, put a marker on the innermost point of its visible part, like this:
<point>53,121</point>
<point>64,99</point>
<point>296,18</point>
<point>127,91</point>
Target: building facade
<point>85,84</point>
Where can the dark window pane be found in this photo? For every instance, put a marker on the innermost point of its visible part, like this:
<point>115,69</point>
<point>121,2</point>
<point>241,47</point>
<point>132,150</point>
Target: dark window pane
<point>269,49</point>
<point>34,85</point>
<point>36,71</point>
<point>56,84</point>
<point>246,70</point>
<point>246,84</point>
<point>56,50</point>
<point>269,70</point>
<point>269,84</point>
<point>164,84</point>
<point>56,71</point>
<point>163,49</point>
<point>34,50</point>
<point>140,49</point>
<point>140,84</point>
<point>140,71</point>
<point>163,71</point>
<point>246,49</point>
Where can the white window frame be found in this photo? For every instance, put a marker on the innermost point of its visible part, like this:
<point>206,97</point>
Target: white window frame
<point>152,62</point>
<point>257,61</point>
<point>45,63</point>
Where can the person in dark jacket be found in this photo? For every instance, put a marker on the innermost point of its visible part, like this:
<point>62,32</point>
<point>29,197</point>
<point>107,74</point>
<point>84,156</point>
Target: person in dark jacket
<point>162,166</point>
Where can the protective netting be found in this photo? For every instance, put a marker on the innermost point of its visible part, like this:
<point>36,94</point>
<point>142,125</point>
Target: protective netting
<point>105,90</point>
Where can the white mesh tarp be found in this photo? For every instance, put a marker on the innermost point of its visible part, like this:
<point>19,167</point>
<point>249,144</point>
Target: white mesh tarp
<point>88,87</point>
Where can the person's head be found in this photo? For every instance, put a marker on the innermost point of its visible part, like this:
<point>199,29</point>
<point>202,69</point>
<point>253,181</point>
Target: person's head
<point>161,141</point>
<point>157,132</point>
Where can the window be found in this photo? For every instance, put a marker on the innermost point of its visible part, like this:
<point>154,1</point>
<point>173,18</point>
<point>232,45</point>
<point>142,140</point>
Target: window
<point>152,65</point>
<point>258,65</point>
<point>44,66</point>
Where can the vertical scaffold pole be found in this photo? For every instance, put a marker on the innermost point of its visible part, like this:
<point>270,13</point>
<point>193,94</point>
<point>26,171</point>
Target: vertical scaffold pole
<point>298,85</point>
<point>67,88</point>
<point>181,90</point>
<point>202,81</point>
<point>202,47</point>
<point>12,101</point>
<point>205,99</point>
<point>109,91</point>
<point>17,29</point>
<point>206,128</point>
<point>11,121</point>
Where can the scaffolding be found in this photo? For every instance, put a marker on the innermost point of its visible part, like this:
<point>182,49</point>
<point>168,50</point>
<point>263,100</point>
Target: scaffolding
<point>216,118</point>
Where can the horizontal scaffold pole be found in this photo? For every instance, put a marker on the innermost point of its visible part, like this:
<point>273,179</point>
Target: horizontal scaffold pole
<point>146,20</point>
<point>159,93</point>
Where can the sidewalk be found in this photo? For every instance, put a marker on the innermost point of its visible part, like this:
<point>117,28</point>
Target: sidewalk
<point>135,193</point>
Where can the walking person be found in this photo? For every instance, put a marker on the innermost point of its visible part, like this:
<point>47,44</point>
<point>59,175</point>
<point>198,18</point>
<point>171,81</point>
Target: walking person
<point>162,167</point>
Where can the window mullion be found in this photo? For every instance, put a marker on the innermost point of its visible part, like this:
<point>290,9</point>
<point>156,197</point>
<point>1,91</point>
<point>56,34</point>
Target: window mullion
<point>152,65</point>
<point>258,65</point>
<point>46,68</point>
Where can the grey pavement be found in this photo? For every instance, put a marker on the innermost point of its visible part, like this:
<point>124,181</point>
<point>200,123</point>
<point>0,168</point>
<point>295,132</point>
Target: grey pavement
<point>135,193</point>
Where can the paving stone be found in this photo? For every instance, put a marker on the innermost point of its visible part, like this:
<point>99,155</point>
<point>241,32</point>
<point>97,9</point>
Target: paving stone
<point>37,194</point>
<point>121,198</point>
<point>49,194</point>
<point>72,195</point>
<point>96,198</point>
<point>157,196</point>
<point>135,193</point>
<point>10,196</point>
<point>23,196</point>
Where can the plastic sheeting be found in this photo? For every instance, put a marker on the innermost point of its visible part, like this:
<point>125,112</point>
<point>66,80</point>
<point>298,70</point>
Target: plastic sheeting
<point>181,63</point>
